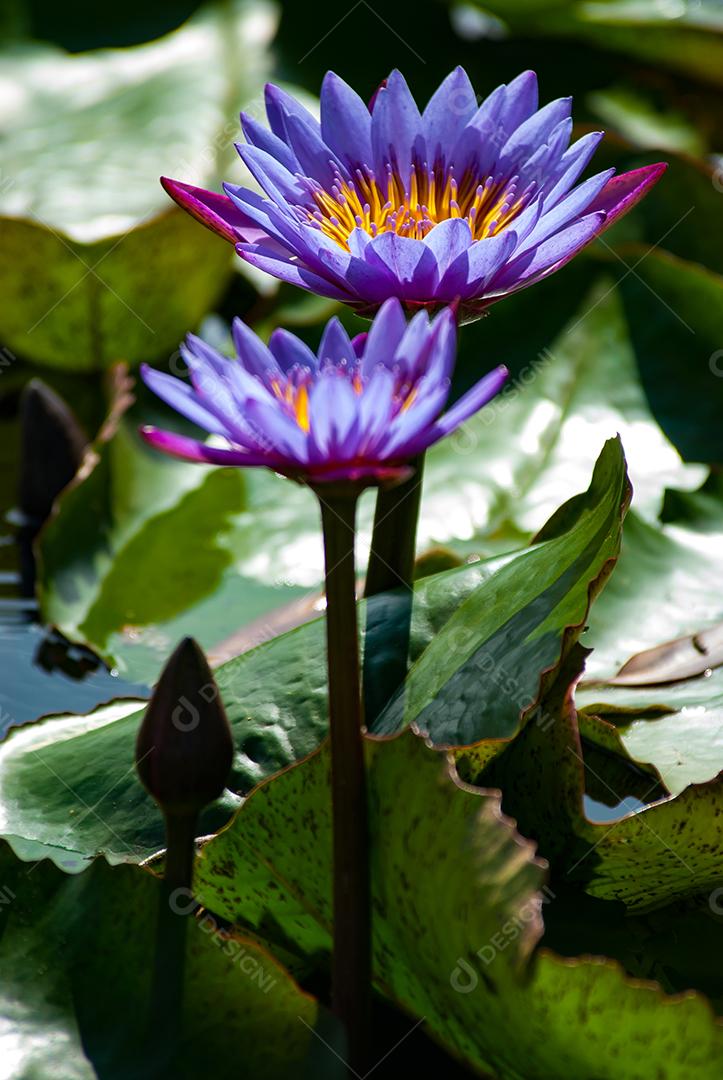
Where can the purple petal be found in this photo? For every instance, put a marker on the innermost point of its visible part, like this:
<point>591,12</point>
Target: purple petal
<point>275,431</point>
<point>482,260</point>
<point>411,262</point>
<point>444,345</point>
<point>551,254</point>
<point>622,192</point>
<point>572,163</point>
<point>520,102</point>
<point>256,357</point>
<point>315,157</point>
<point>471,402</point>
<point>448,112</point>
<point>346,123</point>
<point>333,418</point>
<point>265,215</point>
<point>477,145</point>
<point>447,241</point>
<point>279,106</point>
<point>183,398</point>
<point>278,183</point>
<point>257,135</point>
<point>412,351</point>
<point>358,343</point>
<point>408,426</point>
<point>291,351</point>
<point>375,409</point>
<point>578,202</point>
<point>384,335</point>
<point>293,272</point>
<point>335,345</point>
<point>181,446</point>
<point>533,132</point>
<point>396,127</point>
<point>215,211</point>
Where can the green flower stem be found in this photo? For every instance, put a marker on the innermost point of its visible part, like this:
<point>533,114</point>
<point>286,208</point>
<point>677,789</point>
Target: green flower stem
<point>351,961</point>
<point>391,567</point>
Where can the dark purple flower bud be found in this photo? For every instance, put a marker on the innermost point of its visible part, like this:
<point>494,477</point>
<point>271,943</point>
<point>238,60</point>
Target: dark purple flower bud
<point>184,749</point>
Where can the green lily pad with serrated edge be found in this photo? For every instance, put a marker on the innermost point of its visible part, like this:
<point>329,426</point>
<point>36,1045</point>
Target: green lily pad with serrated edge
<point>458,909</point>
<point>75,967</point>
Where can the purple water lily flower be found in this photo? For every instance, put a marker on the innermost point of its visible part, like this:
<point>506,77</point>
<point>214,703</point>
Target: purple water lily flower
<point>459,202</point>
<point>357,410</point>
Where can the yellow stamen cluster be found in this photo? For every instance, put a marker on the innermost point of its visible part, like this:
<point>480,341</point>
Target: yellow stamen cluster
<point>412,210</point>
<point>296,396</point>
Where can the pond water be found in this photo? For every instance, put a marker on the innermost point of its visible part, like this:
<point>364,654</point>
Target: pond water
<point>41,671</point>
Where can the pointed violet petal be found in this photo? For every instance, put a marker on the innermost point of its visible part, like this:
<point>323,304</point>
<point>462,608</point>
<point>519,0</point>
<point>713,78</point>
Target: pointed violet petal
<point>447,241</point>
<point>572,163</point>
<point>278,183</point>
<point>482,260</point>
<point>383,336</point>
<point>622,192</point>
<point>275,431</point>
<point>471,402</point>
<point>412,427</point>
<point>346,123</point>
<point>264,214</point>
<point>183,398</point>
<point>520,102</point>
<point>448,112</point>
<point>279,106</point>
<point>293,272</point>
<point>532,133</point>
<point>317,160</point>
<point>375,409</point>
<point>551,253</point>
<point>478,143</point>
<point>215,211</point>
<point>396,127</point>
<point>181,446</point>
<point>257,135</point>
<point>333,418</point>
<point>290,351</point>
<point>256,357</point>
<point>335,345</point>
<point>576,204</point>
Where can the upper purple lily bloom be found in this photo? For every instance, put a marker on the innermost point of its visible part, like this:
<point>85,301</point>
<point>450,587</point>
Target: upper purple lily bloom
<point>356,411</point>
<point>459,202</point>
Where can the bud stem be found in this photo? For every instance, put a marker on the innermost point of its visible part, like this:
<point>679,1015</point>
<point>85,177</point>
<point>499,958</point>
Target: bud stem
<point>170,956</point>
<point>351,960</point>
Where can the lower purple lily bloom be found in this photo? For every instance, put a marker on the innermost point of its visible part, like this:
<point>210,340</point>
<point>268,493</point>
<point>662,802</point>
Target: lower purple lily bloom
<point>358,410</point>
<point>459,202</point>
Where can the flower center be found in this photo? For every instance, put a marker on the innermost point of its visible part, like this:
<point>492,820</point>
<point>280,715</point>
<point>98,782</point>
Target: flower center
<point>293,391</point>
<point>413,209</point>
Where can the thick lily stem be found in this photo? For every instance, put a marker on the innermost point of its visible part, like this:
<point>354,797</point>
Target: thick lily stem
<point>391,560</point>
<point>391,567</point>
<point>351,961</point>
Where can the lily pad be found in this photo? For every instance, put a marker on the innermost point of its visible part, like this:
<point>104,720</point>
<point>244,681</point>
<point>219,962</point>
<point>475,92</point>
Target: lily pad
<point>485,671</point>
<point>53,772</point>
<point>63,1016</point>
<point>658,854</point>
<point>469,971</point>
<point>95,265</point>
